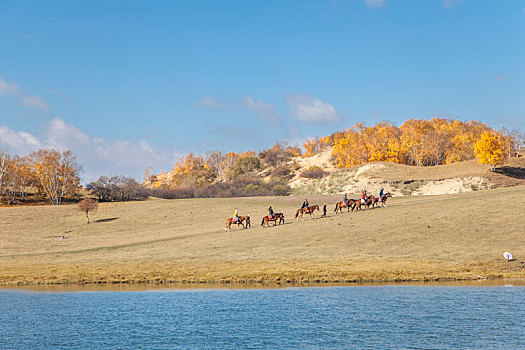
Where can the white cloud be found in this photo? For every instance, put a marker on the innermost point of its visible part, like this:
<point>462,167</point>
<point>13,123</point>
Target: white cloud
<point>36,102</point>
<point>375,3</point>
<point>266,111</point>
<point>97,155</point>
<point>211,103</point>
<point>6,88</point>
<point>23,98</point>
<point>312,110</point>
<point>448,4</point>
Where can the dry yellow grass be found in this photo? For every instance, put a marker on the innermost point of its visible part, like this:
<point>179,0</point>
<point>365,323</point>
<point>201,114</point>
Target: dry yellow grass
<point>458,236</point>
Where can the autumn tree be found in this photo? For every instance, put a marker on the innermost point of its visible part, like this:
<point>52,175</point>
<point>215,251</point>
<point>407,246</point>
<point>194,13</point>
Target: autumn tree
<point>57,174</point>
<point>491,149</point>
<point>87,205</point>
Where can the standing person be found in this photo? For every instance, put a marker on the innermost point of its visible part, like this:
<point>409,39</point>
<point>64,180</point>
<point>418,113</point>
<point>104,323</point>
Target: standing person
<point>324,211</point>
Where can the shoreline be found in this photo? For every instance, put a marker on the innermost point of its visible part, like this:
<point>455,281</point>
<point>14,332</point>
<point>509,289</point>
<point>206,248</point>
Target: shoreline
<point>197,286</point>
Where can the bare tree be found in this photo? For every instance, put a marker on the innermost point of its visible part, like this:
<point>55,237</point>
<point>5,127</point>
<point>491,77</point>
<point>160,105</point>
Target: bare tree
<point>214,160</point>
<point>87,205</point>
<point>117,189</point>
<point>149,175</point>
<point>4,165</point>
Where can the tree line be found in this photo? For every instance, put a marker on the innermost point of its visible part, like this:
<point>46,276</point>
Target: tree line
<point>52,174</point>
<point>419,142</point>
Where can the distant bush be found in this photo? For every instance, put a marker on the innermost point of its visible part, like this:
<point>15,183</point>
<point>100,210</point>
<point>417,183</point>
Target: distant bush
<point>177,193</point>
<point>279,154</point>
<point>244,188</point>
<point>117,189</point>
<point>246,166</point>
<point>314,172</point>
<point>282,172</point>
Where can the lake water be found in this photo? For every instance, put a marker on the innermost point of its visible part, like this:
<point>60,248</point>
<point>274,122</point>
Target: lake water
<point>330,317</point>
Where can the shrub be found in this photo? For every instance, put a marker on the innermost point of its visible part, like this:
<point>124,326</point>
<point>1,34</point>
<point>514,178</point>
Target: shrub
<point>117,189</point>
<point>279,154</point>
<point>281,172</point>
<point>245,166</point>
<point>177,193</point>
<point>314,172</point>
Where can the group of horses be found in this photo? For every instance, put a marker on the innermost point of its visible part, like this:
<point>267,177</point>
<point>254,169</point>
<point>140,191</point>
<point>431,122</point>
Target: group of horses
<point>370,201</point>
<point>278,218</point>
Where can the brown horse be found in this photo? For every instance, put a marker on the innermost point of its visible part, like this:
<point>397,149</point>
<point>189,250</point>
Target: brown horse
<point>385,197</point>
<point>277,216</point>
<point>241,221</point>
<point>308,210</point>
<point>359,203</point>
<point>339,206</point>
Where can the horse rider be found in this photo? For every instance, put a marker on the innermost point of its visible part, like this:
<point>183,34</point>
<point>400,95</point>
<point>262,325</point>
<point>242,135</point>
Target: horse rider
<point>381,194</point>
<point>305,205</point>
<point>363,197</point>
<point>235,216</point>
<point>270,213</point>
<point>345,199</point>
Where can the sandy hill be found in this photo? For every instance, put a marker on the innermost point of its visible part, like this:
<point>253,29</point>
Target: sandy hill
<point>407,180</point>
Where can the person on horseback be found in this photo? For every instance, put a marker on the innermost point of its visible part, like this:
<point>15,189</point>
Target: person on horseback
<point>363,197</point>
<point>381,194</point>
<point>305,205</point>
<point>345,200</point>
<point>235,216</point>
<point>270,213</point>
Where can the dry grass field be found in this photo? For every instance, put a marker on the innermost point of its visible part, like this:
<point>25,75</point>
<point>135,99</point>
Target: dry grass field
<point>460,236</point>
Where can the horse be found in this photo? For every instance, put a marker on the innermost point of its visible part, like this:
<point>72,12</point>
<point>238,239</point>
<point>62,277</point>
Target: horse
<point>339,206</point>
<point>266,220</point>
<point>308,210</point>
<point>241,220</point>
<point>384,198</point>
<point>359,203</point>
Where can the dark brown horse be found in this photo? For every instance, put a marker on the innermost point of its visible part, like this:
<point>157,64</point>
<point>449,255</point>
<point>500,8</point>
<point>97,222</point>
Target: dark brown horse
<point>276,217</point>
<point>308,210</point>
<point>241,221</point>
<point>384,198</point>
<point>358,203</point>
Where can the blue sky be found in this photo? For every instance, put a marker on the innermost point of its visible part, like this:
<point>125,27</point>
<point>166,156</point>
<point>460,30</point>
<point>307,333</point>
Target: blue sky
<point>130,84</point>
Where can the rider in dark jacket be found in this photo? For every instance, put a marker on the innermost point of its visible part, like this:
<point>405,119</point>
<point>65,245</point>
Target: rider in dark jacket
<point>305,205</point>
<point>270,212</point>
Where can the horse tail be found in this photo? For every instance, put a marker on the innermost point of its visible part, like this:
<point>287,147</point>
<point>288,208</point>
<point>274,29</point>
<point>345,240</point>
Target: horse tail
<point>336,207</point>
<point>297,214</point>
<point>262,222</point>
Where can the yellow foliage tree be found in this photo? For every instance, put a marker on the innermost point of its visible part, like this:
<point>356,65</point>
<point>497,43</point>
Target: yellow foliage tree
<point>491,149</point>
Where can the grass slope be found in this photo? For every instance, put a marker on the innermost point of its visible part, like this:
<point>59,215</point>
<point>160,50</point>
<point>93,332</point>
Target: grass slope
<point>458,236</point>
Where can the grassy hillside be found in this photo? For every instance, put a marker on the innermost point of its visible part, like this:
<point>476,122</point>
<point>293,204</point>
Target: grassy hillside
<point>415,238</point>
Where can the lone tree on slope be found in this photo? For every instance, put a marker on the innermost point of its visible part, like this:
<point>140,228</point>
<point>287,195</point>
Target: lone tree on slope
<point>87,205</point>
